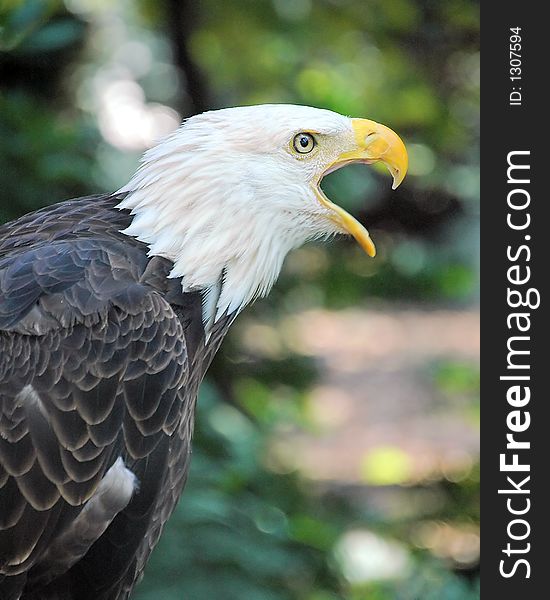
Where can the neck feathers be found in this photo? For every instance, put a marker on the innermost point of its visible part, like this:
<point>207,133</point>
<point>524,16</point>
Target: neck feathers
<point>194,208</point>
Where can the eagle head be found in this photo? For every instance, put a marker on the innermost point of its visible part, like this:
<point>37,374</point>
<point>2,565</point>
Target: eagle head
<point>228,194</point>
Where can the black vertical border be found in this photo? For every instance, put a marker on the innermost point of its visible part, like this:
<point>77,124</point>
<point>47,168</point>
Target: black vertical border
<point>507,128</point>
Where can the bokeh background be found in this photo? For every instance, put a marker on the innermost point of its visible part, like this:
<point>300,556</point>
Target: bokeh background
<point>336,450</point>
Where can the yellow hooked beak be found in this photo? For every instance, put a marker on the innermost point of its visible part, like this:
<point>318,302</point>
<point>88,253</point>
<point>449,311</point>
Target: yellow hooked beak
<point>374,142</point>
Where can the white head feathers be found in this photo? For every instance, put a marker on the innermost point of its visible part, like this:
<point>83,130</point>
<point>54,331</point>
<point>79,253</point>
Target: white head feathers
<point>225,198</point>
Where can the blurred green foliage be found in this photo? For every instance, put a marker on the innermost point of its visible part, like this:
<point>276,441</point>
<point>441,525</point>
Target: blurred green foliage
<point>247,528</point>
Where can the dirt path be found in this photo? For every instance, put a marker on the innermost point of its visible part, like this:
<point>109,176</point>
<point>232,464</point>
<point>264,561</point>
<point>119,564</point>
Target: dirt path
<point>396,389</point>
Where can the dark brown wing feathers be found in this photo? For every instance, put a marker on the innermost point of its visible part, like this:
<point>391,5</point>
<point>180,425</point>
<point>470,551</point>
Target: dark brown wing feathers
<point>95,386</point>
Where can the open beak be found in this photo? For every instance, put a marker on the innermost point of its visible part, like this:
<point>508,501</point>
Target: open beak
<point>374,142</point>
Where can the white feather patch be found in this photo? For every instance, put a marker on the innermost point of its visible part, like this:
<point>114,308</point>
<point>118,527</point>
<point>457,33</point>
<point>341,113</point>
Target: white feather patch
<point>111,496</point>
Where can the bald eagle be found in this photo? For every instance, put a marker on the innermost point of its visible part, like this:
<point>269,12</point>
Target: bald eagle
<point>111,310</point>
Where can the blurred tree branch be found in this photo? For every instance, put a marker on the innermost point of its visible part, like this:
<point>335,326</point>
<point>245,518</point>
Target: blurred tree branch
<point>181,19</point>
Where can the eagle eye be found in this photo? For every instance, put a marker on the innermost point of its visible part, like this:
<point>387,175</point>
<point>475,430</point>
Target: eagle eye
<point>303,143</point>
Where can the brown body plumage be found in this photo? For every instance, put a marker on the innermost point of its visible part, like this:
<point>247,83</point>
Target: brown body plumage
<point>101,356</point>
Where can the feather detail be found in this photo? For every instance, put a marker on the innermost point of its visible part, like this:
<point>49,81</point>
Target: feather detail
<point>224,194</point>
